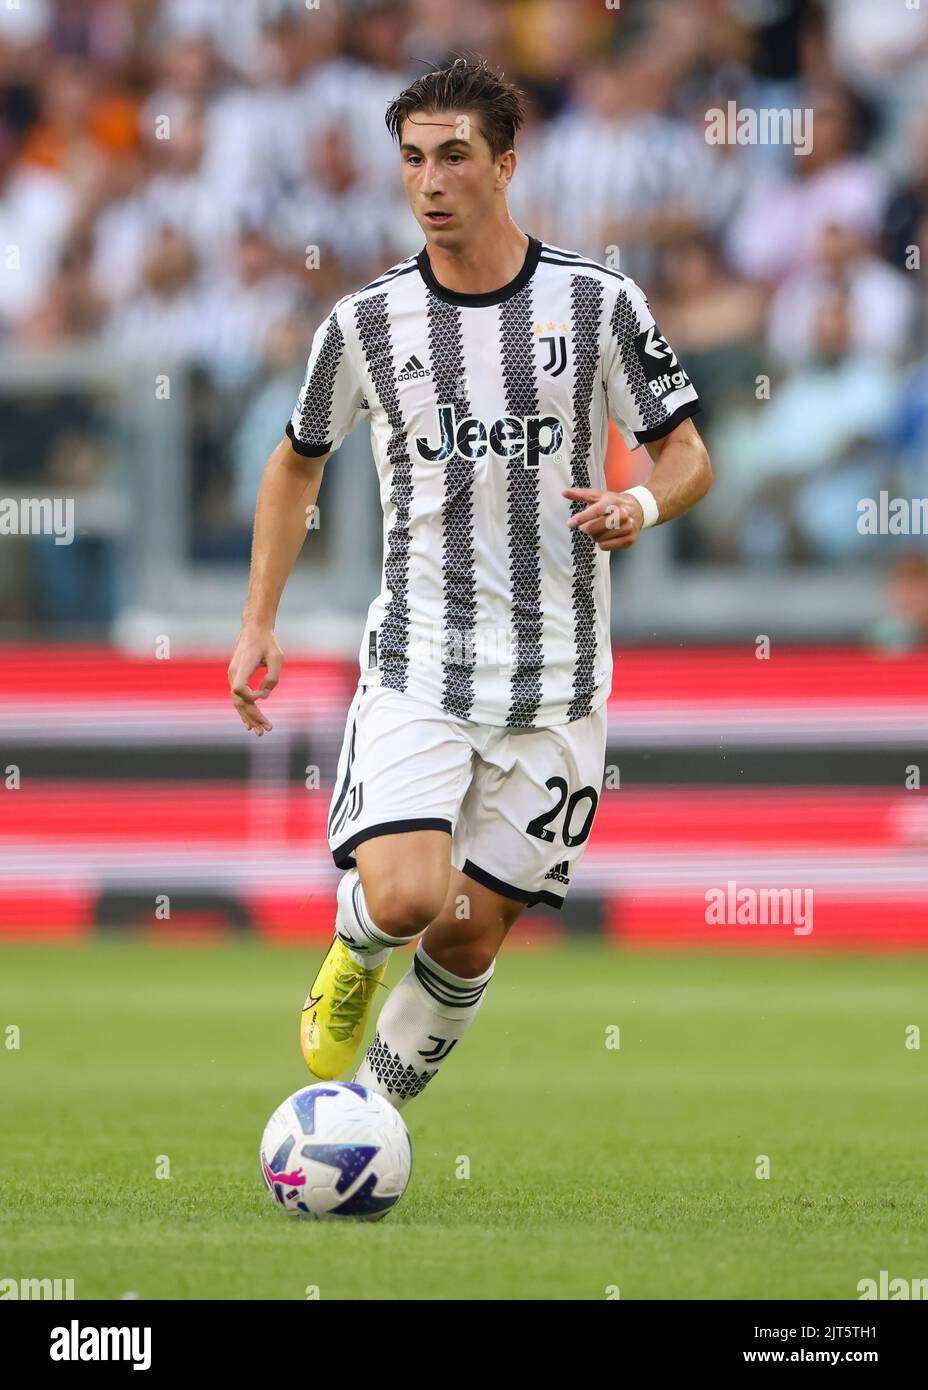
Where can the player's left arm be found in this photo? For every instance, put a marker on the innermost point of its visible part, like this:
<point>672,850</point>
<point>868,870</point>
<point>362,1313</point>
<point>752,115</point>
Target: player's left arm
<point>682,474</point>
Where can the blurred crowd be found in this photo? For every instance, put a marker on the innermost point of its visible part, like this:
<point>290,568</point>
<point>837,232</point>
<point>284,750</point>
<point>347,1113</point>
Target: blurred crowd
<point>201,179</point>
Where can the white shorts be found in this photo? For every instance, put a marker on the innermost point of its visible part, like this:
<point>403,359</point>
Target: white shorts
<point>518,803</point>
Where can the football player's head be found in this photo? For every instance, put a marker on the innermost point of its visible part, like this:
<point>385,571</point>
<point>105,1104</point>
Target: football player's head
<point>456,128</point>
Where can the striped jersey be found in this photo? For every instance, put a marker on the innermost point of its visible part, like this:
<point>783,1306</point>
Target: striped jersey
<point>482,408</point>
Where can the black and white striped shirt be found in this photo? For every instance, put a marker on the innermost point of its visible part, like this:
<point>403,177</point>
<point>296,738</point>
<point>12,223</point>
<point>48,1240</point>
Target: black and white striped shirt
<point>482,407</point>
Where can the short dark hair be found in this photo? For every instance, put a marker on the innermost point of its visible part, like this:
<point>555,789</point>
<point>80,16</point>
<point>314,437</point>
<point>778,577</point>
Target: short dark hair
<point>465,84</point>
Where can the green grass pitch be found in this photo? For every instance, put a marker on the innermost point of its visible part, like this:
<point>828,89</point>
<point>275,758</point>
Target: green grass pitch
<point>591,1167</point>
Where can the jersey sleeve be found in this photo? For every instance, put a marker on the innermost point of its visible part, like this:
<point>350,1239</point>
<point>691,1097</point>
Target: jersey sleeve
<point>647,389</point>
<point>331,399</point>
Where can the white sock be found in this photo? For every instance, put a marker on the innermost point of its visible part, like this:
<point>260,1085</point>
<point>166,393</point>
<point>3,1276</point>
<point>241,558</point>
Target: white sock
<point>367,945</point>
<point>424,1017</point>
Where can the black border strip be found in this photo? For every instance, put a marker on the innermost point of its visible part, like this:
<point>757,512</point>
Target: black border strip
<point>683,412</point>
<point>308,451</point>
<point>481,301</point>
<point>582,264</point>
<point>346,780</point>
<point>345,859</point>
<point>402,268</point>
<point>507,890</point>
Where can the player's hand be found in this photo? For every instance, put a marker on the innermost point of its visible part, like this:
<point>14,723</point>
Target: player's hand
<point>613,519</point>
<point>254,647</point>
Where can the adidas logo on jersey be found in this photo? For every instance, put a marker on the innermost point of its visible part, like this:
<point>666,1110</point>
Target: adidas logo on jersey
<point>413,369</point>
<point>510,437</point>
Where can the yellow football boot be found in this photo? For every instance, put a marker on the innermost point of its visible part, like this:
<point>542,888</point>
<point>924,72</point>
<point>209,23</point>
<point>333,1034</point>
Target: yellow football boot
<point>335,1012</point>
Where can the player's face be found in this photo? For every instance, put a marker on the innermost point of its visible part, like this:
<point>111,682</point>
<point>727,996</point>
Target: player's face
<point>450,176</point>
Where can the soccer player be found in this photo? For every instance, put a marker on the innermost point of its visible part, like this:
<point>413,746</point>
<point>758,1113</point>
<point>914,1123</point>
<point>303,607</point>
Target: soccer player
<point>488,366</point>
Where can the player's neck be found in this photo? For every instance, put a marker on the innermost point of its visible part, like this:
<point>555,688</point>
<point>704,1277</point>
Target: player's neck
<point>484,265</point>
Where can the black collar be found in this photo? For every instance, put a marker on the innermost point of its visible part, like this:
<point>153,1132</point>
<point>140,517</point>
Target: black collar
<point>480,301</point>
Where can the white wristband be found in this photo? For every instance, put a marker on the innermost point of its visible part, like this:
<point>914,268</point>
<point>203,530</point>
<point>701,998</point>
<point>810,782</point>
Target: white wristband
<point>648,504</point>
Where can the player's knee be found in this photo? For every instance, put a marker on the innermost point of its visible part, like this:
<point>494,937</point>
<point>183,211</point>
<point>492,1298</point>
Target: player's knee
<point>400,909</point>
<point>466,959</point>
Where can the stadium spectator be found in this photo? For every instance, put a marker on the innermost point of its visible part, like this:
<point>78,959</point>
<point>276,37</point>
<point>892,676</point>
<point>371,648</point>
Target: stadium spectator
<point>778,230</point>
<point>648,165</point>
<point>904,622</point>
<point>355,88</point>
<point>908,206</point>
<point>283,361</point>
<point>71,308</point>
<point>242,306</point>
<point>36,209</point>
<point>909,436</point>
<point>792,469</point>
<point>80,126</point>
<point>122,234</point>
<point>881,50</point>
<point>881,301</point>
<point>168,320</point>
<point>714,319</point>
<point>331,208</point>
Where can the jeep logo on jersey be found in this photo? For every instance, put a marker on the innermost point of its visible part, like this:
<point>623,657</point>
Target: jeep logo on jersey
<point>662,371</point>
<point>511,436</point>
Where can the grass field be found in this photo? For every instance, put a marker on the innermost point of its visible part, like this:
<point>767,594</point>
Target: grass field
<point>590,1167</point>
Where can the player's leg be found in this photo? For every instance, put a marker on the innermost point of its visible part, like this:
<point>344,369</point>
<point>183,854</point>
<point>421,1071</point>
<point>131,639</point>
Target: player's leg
<point>520,833</point>
<point>397,889</point>
<point>430,1009</point>
<point>402,773</point>
<point>387,901</point>
<point>466,936</point>
<point>527,816</point>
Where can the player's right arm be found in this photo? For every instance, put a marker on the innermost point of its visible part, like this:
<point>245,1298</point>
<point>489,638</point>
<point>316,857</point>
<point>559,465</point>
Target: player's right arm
<point>330,403</point>
<point>288,492</point>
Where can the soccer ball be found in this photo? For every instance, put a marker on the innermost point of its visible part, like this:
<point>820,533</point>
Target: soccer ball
<point>336,1149</point>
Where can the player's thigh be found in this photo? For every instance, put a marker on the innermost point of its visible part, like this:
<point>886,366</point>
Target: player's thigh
<point>405,877</point>
<point>402,774</point>
<point>471,927</point>
<point>529,810</point>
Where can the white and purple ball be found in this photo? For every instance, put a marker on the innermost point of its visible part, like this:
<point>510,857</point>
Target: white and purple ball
<point>334,1150</point>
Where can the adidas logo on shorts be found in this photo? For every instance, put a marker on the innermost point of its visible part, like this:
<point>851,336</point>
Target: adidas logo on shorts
<point>560,873</point>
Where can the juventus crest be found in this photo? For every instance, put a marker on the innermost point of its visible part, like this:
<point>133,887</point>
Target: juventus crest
<point>557,353</point>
